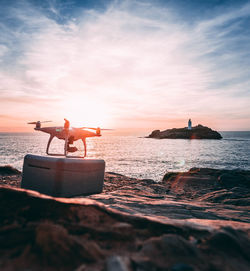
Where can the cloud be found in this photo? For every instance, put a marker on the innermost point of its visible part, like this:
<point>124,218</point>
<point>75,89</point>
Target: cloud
<point>136,59</point>
<point>10,117</point>
<point>27,99</point>
<point>223,19</point>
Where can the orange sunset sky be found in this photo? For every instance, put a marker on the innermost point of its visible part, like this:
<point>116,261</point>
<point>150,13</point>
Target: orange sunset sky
<point>125,64</point>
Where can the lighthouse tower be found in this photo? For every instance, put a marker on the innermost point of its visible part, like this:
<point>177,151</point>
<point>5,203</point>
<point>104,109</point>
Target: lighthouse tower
<point>189,124</point>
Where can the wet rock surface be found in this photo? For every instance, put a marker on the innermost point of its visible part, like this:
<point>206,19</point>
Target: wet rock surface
<point>199,194</point>
<point>194,220</point>
<point>197,132</point>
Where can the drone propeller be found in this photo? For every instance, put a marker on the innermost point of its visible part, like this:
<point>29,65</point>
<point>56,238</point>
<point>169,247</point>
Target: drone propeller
<point>35,122</point>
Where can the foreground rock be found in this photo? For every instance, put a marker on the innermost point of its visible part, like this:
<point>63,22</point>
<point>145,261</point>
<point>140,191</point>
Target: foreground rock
<point>42,233</point>
<point>196,220</point>
<point>10,176</point>
<point>197,132</point>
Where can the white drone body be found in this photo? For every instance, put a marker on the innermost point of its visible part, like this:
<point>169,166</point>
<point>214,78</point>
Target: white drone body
<point>69,134</point>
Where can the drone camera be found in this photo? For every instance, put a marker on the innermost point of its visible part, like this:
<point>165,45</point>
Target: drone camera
<point>38,125</point>
<point>98,131</point>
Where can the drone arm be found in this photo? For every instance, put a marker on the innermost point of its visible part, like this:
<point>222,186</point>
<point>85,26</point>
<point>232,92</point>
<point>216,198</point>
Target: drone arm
<point>85,146</point>
<point>66,144</point>
<point>50,139</point>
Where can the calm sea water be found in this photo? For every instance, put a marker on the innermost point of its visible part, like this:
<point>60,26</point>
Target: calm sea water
<point>140,157</point>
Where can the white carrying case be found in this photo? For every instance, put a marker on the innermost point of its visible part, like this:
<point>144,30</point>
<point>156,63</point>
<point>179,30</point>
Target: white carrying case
<point>63,177</point>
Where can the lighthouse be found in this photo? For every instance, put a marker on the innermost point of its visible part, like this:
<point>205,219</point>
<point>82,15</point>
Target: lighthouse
<point>189,124</point>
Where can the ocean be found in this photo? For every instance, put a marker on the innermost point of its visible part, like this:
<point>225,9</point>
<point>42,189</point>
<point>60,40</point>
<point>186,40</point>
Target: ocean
<point>139,157</point>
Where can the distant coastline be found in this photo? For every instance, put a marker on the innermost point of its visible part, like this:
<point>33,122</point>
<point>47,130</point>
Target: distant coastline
<point>197,132</point>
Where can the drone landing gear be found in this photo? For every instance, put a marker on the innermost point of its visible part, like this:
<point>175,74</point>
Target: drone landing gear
<point>67,148</point>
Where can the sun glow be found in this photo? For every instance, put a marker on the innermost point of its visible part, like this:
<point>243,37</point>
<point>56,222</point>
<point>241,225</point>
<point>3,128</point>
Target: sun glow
<point>81,111</point>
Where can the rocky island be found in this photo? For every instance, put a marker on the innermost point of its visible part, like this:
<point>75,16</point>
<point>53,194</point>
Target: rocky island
<point>197,132</point>
<point>190,221</point>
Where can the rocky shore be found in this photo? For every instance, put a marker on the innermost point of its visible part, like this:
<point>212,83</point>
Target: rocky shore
<point>195,220</point>
<point>197,132</point>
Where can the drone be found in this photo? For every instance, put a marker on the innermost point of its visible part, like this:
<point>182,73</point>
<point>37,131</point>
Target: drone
<point>69,134</point>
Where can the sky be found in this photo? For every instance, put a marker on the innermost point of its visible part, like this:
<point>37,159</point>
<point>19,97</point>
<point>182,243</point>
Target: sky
<point>125,64</point>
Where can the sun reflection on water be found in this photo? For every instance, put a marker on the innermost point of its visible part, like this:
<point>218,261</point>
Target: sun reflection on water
<point>136,157</point>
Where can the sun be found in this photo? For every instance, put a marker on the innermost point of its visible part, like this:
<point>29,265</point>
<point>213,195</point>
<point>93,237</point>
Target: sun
<point>81,111</point>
